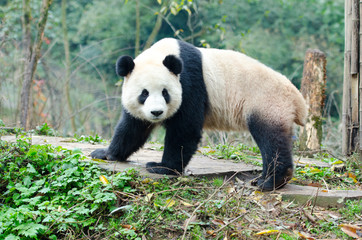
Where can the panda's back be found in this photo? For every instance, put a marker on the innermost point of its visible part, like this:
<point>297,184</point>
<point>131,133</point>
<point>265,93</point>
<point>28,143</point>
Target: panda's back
<point>239,85</point>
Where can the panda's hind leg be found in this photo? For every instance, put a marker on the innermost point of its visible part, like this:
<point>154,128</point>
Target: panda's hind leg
<point>275,144</point>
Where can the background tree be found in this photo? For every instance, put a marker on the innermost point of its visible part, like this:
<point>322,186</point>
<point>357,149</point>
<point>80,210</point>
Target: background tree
<point>32,53</point>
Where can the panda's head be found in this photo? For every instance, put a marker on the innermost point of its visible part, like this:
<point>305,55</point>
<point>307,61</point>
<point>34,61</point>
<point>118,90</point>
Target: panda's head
<point>151,90</point>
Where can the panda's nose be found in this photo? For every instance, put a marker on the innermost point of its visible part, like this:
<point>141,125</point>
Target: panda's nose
<point>156,113</point>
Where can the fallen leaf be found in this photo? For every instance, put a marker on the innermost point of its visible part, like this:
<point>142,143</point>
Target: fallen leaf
<point>242,210</point>
<point>99,160</point>
<point>351,230</point>
<point>103,179</point>
<point>314,184</point>
<point>211,233</point>
<point>127,226</point>
<point>218,222</point>
<point>148,197</point>
<point>353,177</point>
<point>337,162</point>
<point>267,232</point>
<point>304,235</point>
<point>147,180</point>
<point>230,190</point>
<point>170,203</point>
<point>315,170</point>
<point>186,204</point>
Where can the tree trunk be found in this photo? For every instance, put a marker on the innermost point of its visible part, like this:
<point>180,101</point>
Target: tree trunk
<point>32,56</point>
<point>67,65</point>
<point>26,25</point>
<point>313,90</point>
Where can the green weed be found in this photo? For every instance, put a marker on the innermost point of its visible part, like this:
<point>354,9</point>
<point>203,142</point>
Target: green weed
<point>237,153</point>
<point>46,130</point>
<point>51,192</point>
<point>90,139</point>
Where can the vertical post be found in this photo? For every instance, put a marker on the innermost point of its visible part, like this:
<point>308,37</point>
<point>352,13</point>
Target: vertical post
<point>346,111</point>
<point>313,90</point>
<point>354,72</point>
<point>351,84</point>
<point>360,82</point>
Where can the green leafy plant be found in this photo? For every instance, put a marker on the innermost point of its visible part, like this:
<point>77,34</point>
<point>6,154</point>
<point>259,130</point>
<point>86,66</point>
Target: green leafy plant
<point>46,191</point>
<point>237,153</point>
<point>46,130</point>
<point>89,139</point>
<point>2,124</point>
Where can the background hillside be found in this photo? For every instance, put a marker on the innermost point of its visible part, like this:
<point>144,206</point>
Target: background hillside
<point>75,88</point>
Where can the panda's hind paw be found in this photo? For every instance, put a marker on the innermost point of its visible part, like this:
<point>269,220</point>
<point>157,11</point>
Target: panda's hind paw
<point>159,168</point>
<point>274,182</point>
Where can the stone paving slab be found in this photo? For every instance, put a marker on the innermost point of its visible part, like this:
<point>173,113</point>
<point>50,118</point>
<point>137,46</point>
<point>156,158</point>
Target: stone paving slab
<point>200,165</point>
<point>318,196</point>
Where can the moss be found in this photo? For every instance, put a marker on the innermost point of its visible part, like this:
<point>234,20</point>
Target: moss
<point>318,121</point>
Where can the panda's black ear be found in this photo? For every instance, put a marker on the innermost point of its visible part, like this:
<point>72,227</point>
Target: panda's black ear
<point>173,63</point>
<point>124,65</point>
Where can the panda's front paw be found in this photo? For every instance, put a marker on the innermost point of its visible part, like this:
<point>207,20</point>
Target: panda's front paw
<point>159,168</point>
<point>100,154</point>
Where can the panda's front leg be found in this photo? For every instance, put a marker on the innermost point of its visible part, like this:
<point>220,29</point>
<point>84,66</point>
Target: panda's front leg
<point>130,135</point>
<point>181,141</point>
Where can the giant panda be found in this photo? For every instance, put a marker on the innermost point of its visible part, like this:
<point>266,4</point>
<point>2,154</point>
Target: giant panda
<point>187,89</point>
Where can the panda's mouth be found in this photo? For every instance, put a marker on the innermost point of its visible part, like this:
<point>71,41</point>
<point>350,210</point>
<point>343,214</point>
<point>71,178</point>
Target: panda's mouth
<point>156,119</point>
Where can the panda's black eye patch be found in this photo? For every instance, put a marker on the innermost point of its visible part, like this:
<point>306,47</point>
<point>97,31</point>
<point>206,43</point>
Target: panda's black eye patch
<point>142,98</point>
<point>165,95</point>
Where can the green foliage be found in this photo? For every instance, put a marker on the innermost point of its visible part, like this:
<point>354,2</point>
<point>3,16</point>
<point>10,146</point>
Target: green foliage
<point>341,175</point>
<point>352,209</point>
<point>2,124</point>
<point>90,139</point>
<point>53,193</point>
<point>45,191</point>
<point>46,130</point>
<point>237,153</point>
